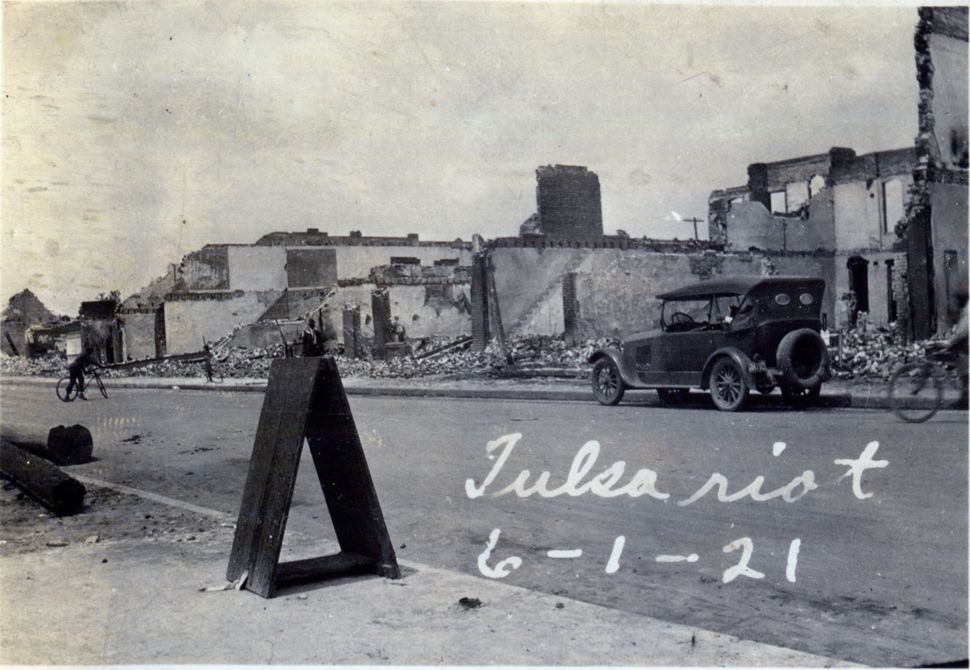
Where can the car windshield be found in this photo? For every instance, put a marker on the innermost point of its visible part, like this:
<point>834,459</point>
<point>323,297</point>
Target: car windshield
<point>685,314</point>
<point>700,313</point>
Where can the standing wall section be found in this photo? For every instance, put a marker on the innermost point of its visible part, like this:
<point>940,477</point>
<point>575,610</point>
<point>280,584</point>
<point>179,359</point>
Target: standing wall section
<point>253,268</point>
<point>193,316</point>
<point>615,292</point>
<point>138,332</point>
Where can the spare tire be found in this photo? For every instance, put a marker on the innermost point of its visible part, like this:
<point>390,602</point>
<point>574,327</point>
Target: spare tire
<point>803,358</point>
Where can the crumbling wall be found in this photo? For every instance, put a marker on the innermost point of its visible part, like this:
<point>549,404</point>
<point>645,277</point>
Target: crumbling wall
<point>857,203</point>
<point>425,310</point>
<point>860,192</point>
<point>940,173</point>
<point>529,279</point>
<point>616,290</point>
<point>355,262</point>
<point>204,270</point>
<point>138,332</point>
<point>750,225</point>
<point>266,335</point>
<point>253,268</point>
<point>877,277</point>
<point>13,338</point>
<point>950,97</point>
<point>190,317</point>
<point>948,207</point>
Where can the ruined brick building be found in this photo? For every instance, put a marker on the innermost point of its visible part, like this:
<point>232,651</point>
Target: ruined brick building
<point>892,223</point>
<point>565,276</point>
<point>935,228</point>
<point>837,206</point>
<point>284,276</point>
<point>23,311</point>
<point>888,228</point>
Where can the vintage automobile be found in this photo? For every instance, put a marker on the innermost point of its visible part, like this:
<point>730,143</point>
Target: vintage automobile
<point>730,335</point>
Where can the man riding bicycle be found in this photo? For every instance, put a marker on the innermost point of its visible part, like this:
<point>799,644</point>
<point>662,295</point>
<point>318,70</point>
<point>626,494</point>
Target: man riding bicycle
<point>76,370</point>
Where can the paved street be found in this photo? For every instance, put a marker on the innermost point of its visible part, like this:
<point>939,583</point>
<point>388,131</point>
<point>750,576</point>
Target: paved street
<point>868,568</point>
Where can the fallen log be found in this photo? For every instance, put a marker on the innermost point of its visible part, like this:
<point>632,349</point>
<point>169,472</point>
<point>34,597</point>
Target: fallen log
<point>62,445</point>
<point>41,479</point>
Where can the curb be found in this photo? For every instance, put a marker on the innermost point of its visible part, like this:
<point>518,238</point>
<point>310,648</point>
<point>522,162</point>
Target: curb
<point>831,400</point>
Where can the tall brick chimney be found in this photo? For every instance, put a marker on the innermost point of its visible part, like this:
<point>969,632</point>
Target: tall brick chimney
<point>568,197</point>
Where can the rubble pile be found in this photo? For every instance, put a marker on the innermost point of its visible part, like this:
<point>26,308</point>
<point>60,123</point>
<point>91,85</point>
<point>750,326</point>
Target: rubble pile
<point>873,353</point>
<point>232,362</point>
<point>18,366</point>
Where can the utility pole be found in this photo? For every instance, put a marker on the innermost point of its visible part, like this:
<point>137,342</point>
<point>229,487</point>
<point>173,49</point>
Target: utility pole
<point>695,221</point>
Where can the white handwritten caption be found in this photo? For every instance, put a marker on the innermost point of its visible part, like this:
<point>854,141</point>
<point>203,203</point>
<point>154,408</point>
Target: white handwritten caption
<point>742,569</point>
<point>644,483</point>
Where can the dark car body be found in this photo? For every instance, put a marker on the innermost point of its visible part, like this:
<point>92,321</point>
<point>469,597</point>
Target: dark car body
<point>765,328</point>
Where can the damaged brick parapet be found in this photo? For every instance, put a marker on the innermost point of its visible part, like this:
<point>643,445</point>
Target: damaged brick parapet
<point>316,238</point>
<point>195,296</point>
<point>606,242</point>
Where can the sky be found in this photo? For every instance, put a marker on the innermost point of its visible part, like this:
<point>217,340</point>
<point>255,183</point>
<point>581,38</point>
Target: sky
<point>136,132</point>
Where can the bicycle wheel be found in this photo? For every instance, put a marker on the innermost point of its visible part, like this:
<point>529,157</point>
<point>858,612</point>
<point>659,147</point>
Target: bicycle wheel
<point>101,387</point>
<point>916,392</point>
<point>61,389</point>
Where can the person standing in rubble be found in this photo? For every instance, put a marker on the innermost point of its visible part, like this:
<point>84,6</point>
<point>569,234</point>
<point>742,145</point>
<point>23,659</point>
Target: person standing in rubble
<point>76,371</point>
<point>312,339</point>
<point>398,333</point>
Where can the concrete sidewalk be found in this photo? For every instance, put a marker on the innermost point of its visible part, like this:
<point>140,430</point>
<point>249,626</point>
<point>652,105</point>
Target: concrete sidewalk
<point>871,395</point>
<point>140,600</point>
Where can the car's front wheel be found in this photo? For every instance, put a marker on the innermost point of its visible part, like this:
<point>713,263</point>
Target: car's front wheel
<point>608,386</point>
<point>729,391</point>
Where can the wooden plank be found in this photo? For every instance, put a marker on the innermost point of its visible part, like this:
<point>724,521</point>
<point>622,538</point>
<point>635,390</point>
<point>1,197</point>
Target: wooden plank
<point>311,570</point>
<point>272,473</point>
<point>61,445</point>
<point>41,479</point>
<point>338,458</point>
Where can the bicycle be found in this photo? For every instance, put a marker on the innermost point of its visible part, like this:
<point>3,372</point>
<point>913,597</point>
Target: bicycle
<point>916,389</point>
<point>64,383</point>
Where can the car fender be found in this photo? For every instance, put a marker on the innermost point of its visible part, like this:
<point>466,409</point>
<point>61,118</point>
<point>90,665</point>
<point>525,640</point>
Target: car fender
<point>738,356</point>
<point>616,356</point>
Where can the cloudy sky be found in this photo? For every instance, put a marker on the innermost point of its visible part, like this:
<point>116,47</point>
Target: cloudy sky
<point>135,132</point>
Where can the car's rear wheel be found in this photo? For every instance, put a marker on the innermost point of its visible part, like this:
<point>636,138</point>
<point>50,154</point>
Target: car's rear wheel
<point>729,391</point>
<point>802,358</point>
<point>673,397</point>
<point>608,386</point>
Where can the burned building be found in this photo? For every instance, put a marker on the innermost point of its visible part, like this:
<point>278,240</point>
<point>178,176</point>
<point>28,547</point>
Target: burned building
<point>837,206</point>
<point>23,312</point>
<point>935,227</point>
<point>283,276</point>
<point>101,331</point>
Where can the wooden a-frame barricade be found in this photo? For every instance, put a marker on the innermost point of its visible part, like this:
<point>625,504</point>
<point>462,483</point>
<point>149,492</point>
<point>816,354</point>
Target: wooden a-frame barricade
<point>305,399</point>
